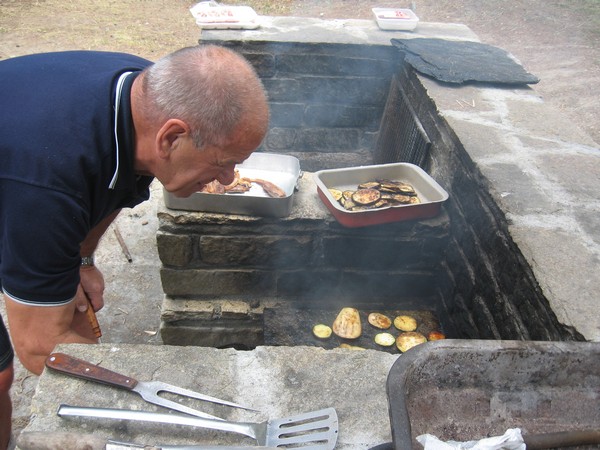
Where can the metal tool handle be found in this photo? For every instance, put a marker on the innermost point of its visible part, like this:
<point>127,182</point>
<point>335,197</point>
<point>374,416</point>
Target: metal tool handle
<point>88,371</point>
<point>145,416</point>
<point>215,447</point>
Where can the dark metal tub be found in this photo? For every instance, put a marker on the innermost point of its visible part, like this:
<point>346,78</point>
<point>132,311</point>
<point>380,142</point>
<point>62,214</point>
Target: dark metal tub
<point>470,389</point>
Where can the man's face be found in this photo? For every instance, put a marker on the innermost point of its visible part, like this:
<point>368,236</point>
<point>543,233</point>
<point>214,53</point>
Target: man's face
<point>188,169</point>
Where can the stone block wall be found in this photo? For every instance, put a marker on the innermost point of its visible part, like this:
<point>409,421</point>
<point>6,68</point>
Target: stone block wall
<point>326,99</point>
<point>220,271</point>
<point>327,102</point>
<point>489,289</point>
<point>298,258</point>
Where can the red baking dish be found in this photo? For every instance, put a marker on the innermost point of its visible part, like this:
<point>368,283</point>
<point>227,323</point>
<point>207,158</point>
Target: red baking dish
<point>431,194</point>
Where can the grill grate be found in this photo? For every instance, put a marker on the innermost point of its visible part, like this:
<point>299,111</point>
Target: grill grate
<point>401,138</point>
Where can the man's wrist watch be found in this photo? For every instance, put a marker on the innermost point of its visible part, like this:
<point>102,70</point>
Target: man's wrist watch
<point>87,260</point>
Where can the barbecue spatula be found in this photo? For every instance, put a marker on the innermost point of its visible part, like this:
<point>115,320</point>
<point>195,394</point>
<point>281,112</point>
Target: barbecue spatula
<point>315,430</point>
<point>147,389</point>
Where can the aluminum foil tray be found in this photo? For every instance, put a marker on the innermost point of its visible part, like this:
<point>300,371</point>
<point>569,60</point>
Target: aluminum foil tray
<point>283,170</point>
<point>431,194</point>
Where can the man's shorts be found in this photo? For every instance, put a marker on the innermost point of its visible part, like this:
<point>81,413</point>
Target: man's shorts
<point>6,350</point>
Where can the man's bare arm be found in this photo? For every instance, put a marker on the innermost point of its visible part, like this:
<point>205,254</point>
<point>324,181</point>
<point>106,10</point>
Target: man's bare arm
<point>90,243</point>
<point>91,278</point>
<point>36,330</point>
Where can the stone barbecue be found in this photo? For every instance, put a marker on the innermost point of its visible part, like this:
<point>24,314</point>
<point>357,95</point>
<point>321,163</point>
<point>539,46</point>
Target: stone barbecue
<point>336,90</point>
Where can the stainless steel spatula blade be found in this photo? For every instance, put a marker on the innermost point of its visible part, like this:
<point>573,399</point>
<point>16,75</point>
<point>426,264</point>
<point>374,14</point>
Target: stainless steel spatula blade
<point>315,430</point>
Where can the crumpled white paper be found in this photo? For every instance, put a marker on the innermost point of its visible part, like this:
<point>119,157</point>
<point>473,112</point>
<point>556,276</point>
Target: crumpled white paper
<point>511,440</point>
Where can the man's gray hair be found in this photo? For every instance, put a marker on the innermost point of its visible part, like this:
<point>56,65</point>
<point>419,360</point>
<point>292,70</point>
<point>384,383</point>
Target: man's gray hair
<point>209,87</point>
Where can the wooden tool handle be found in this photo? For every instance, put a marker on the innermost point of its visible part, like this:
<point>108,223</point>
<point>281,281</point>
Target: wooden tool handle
<point>562,439</point>
<point>93,320</point>
<point>88,371</point>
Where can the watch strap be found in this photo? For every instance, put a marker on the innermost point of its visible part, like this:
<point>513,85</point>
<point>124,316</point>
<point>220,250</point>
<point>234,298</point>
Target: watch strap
<point>87,260</point>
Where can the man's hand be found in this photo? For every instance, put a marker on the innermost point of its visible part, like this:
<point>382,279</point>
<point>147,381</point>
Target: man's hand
<point>36,330</point>
<point>91,288</point>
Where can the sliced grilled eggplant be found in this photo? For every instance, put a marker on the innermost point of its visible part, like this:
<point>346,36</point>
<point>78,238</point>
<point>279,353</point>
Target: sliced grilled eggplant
<point>405,323</point>
<point>379,320</point>
<point>366,196</point>
<point>385,339</point>
<point>369,185</point>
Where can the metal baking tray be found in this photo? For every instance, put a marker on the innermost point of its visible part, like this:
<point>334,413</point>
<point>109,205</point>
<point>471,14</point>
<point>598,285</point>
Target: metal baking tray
<point>283,170</point>
<point>431,194</point>
<point>467,390</point>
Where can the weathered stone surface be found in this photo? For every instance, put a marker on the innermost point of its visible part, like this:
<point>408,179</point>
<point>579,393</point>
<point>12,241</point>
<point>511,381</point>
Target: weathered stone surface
<point>278,381</point>
<point>215,282</point>
<point>275,251</point>
<point>174,250</point>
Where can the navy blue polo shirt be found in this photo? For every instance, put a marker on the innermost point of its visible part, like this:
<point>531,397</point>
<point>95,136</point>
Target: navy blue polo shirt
<point>60,171</point>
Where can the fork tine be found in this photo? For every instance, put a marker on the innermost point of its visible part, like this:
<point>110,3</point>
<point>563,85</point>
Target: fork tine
<point>159,386</point>
<point>160,401</point>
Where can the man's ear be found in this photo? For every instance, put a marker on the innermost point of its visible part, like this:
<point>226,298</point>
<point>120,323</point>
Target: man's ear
<point>168,134</point>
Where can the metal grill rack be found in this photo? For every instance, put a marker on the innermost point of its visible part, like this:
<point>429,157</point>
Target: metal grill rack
<point>406,143</point>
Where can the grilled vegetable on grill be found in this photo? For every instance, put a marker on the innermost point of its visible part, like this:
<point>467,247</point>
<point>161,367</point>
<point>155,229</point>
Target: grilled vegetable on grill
<point>435,336</point>
<point>405,323</point>
<point>351,347</point>
<point>322,331</point>
<point>379,320</point>
<point>347,324</point>
<point>409,339</point>
<point>385,339</point>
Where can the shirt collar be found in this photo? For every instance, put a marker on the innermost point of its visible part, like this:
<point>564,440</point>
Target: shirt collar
<point>124,175</point>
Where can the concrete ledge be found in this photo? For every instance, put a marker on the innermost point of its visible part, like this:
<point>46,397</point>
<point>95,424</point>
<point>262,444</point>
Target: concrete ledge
<point>278,381</point>
<point>542,171</point>
<point>339,31</point>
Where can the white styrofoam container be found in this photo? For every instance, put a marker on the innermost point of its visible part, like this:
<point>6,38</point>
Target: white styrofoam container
<point>395,19</point>
<point>211,15</point>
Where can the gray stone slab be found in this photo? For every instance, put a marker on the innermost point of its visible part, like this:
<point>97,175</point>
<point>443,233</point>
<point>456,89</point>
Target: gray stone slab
<point>278,381</point>
<point>339,31</point>
<point>461,62</point>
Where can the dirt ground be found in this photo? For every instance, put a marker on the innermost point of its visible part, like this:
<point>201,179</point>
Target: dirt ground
<point>556,40</point>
